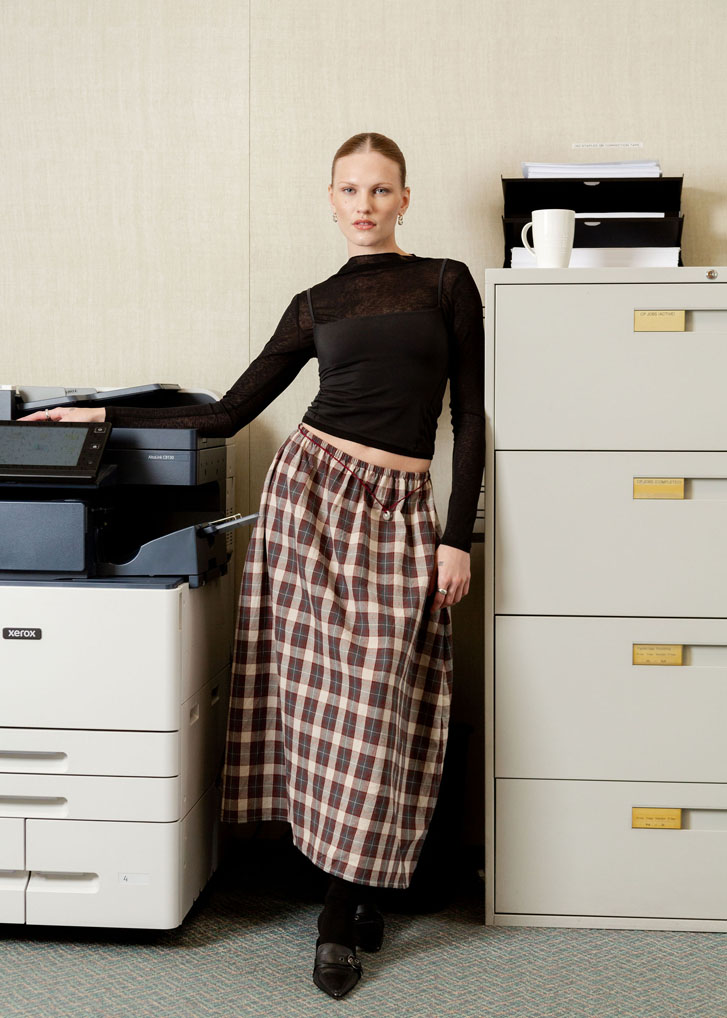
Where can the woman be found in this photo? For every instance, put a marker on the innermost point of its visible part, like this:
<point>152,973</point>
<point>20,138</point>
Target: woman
<point>342,674</point>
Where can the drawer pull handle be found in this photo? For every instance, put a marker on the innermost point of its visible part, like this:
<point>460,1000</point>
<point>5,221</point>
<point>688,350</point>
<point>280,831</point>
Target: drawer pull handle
<point>693,655</point>
<point>691,489</point>
<point>706,489</point>
<point>194,714</point>
<point>10,880</point>
<point>22,760</point>
<point>704,820</point>
<point>703,321</point>
<point>63,883</point>
<point>215,696</point>
<point>668,819</point>
<point>32,805</point>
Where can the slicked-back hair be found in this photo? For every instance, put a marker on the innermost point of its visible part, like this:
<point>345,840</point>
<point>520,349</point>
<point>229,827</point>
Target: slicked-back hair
<point>371,142</point>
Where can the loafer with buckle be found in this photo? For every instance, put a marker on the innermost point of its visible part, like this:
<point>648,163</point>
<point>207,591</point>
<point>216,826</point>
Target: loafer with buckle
<point>337,969</point>
<point>368,928</point>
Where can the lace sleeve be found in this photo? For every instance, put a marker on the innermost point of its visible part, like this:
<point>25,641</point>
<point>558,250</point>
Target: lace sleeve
<point>463,309</point>
<point>272,371</point>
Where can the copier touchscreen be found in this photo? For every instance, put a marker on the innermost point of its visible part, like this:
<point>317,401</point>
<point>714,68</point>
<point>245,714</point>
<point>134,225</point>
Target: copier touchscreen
<point>53,446</point>
<point>37,449</point>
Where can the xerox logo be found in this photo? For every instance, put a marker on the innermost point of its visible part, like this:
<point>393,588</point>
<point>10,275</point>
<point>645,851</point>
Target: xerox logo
<point>22,634</point>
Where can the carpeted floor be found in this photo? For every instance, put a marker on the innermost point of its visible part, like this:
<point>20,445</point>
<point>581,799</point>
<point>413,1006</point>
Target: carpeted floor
<point>246,949</point>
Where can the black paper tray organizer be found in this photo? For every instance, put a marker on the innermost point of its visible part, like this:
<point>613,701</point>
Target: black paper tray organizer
<point>605,194</point>
<point>666,232</point>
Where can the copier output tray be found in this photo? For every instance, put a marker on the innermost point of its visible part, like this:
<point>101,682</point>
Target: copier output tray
<point>199,552</point>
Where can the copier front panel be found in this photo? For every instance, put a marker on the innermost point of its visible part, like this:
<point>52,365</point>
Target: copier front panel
<point>113,727</point>
<point>136,652</point>
<point>122,648</point>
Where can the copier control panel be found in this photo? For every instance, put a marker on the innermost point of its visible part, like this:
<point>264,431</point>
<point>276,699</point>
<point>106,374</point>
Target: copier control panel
<point>52,451</point>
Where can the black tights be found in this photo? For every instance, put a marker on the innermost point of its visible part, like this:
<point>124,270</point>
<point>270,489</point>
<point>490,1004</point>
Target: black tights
<point>335,923</point>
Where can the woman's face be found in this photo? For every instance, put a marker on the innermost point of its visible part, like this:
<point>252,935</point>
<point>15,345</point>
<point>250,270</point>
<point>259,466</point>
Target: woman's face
<point>367,196</point>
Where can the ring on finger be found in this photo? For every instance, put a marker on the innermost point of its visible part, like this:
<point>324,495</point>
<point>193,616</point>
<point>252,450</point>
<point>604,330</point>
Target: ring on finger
<point>442,590</point>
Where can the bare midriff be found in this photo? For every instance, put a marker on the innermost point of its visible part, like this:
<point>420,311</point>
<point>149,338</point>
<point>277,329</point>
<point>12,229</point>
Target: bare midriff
<point>369,454</point>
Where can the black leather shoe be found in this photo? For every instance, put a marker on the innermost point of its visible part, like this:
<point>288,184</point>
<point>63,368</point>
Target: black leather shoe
<point>368,928</point>
<point>337,969</point>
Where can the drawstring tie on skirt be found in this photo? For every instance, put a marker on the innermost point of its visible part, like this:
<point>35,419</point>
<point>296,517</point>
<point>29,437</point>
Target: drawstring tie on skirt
<point>386,511</point>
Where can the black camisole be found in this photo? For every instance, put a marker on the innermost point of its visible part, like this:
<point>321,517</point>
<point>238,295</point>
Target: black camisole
<point>382,378</point>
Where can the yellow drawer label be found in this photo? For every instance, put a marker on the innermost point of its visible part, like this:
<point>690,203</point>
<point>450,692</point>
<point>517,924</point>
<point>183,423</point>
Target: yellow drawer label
<point>656,817</point>
<point>659,321</point>
<point>658,653</point>
<point>658,487</point>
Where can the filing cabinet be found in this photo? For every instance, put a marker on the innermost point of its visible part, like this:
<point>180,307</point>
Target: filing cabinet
<point>606,598</point>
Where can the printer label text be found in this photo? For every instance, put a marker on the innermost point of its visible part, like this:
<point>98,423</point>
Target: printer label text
<point>22,634</point>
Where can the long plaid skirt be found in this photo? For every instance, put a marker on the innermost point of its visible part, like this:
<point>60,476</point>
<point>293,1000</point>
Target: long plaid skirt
<point>341,681</point>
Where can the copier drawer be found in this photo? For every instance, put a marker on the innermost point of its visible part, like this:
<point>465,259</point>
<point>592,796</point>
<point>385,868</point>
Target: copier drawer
<point>572,538</point>
<point>13,879</point>
<point>77,797</point>
<point>572,702</point>
<point>100,874</point>
<point>146,875</point>
<point>573,372</point>
<point>64,751</point>
<point>12,896</point>
<point>568,848</point>
<point>12,844</point>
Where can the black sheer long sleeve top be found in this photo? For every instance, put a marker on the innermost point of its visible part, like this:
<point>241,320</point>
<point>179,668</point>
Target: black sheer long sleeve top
<point>373,326</point>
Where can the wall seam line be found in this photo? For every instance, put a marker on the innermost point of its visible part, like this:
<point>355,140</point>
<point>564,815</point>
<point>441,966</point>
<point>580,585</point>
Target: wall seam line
<point>249,231</point>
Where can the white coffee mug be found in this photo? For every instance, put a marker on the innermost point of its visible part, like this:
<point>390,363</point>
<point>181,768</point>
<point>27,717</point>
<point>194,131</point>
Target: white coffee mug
<point>552,237</point>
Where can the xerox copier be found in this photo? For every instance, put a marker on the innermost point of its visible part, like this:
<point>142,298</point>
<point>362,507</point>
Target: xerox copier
<point>116,618</point>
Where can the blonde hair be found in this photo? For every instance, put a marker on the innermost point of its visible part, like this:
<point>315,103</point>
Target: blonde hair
<point>372,142</point>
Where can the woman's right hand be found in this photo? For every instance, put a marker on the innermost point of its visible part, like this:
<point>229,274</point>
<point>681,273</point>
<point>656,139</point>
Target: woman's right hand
<point>64,413</point>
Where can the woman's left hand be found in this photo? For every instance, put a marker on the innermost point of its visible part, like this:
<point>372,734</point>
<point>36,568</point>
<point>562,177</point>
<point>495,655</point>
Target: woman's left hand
<point>451,573</point>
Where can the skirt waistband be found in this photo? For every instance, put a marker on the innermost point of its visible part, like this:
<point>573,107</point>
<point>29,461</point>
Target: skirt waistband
<point>362,467</point>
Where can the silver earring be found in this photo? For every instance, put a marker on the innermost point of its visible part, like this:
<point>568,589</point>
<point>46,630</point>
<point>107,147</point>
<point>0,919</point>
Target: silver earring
<point>335,217</point>
<point>400,220</point>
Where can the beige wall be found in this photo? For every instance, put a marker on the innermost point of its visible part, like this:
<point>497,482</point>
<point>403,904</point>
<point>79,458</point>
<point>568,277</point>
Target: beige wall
<point>163,162</point>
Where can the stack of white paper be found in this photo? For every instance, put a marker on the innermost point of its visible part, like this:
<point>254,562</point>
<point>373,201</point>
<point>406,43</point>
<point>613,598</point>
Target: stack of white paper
<point>588,171</point>
<point>606,257</point>
<point>620,215</point>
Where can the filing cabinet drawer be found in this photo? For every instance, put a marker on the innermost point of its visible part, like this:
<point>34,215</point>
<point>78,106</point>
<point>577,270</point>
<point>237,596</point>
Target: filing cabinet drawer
<point>571,538</point>
<point>571,372</point>
<point>568,848</point>
<point>12,844</point>
<point>571,703</point>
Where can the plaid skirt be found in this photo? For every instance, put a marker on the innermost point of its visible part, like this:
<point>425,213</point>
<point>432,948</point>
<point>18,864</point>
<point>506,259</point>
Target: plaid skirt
<point>341,681</point>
